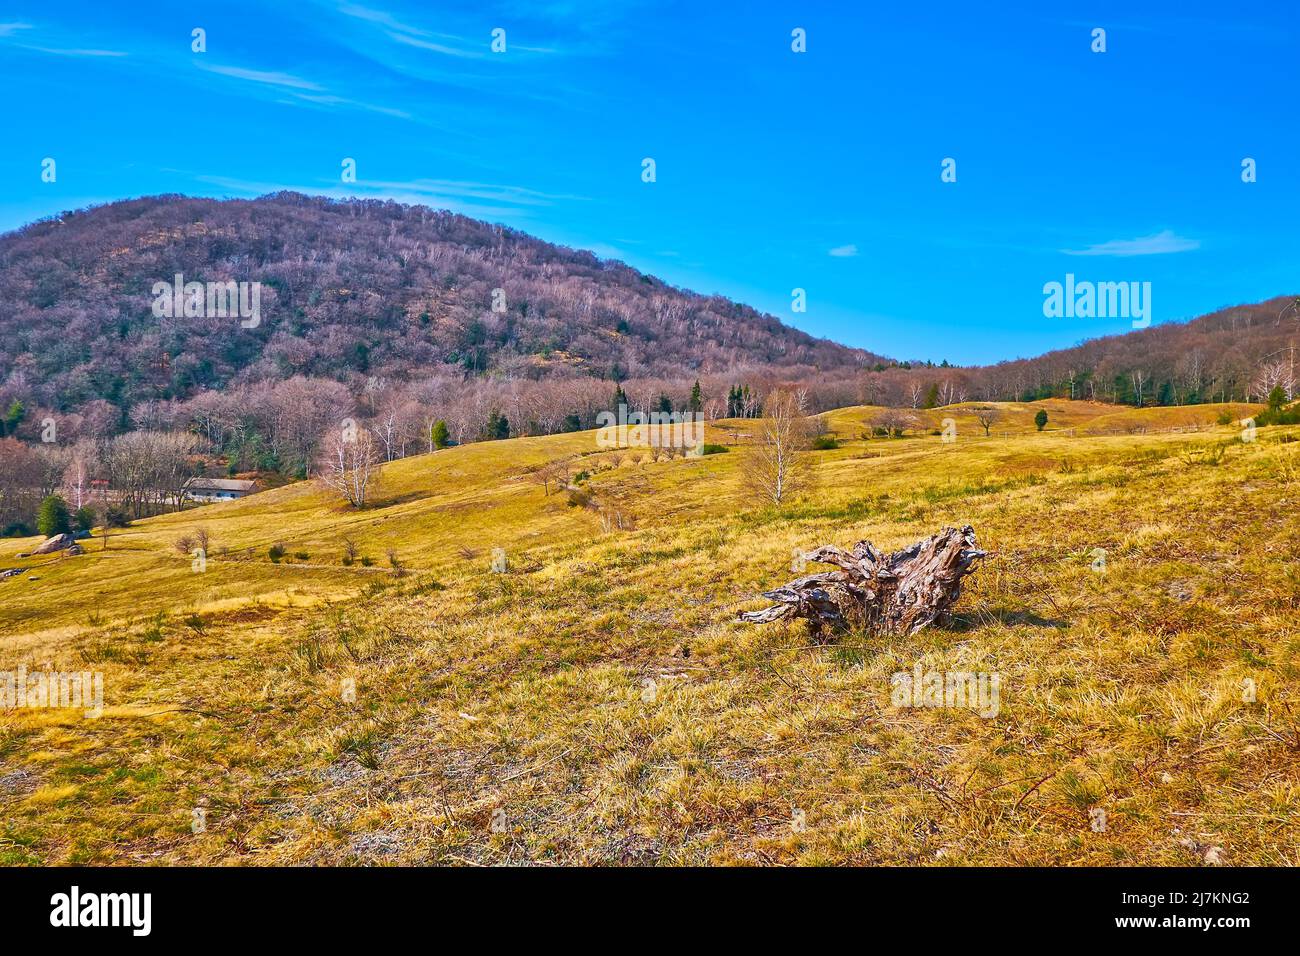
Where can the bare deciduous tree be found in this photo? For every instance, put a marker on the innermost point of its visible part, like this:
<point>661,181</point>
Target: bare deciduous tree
<point>82,462</point>
<point>148,470</point>
<point>1272,375</point>
<point>350,465</point>
<point>893,422</point>
<point>1139,379</point>
<point>396,424</point>
<point>552,473</point>
<point>987,416</point>
<point>776,465</point>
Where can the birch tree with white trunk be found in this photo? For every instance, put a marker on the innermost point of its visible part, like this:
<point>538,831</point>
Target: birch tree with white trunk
<point>350,465</point>
<point>776,465</point>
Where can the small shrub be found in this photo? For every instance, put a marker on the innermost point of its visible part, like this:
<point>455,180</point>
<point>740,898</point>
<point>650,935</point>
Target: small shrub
<point>825,443</point>
<point>366,562</point>
<point>154,631</point>
<point>363,747</point>
<point>312,652</point>
<point>301,555</point>
<point>399,570</point>
<point>184,544</point>
<point>425,586</point>
<point>276,552</point>
<point>711,449</point>
<point>84,518</point>
<point>1278,416</point>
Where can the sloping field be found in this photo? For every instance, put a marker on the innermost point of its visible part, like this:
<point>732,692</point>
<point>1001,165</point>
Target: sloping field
<point>598,702</point>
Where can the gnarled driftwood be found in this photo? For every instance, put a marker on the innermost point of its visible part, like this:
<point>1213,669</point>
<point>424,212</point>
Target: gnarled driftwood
<point>897,593</point>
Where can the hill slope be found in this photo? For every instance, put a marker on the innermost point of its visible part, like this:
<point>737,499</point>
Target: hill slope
<point>598,702</point>
<point>351,290</point>
<point>424,315</point>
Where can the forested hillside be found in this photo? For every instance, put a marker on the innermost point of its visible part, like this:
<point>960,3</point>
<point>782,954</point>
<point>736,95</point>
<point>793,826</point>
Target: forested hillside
<point>375,308</point>
<point>375,296</point>
<point>1233,354</point>
<point>425,328</point>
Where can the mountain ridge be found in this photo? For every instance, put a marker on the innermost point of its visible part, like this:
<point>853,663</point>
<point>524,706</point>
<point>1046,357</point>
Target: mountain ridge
<point>395,303</point>
<point>415,286</point>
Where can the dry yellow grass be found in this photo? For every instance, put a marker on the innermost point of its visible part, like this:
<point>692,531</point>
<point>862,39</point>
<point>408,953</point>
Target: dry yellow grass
<point>599,703</point>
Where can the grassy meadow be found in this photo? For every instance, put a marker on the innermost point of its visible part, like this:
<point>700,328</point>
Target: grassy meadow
<point>597,702</point>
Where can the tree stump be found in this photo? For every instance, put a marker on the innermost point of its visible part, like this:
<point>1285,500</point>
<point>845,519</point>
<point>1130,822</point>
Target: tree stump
<point>898,593</point>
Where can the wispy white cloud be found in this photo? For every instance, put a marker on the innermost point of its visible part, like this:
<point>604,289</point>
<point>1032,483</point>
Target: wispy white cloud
<point>448,44</point>
<point>407,34</point>
<point>315,95</point>
<point>1159,244</point>
<point>488,192</point>
<point>435,47</point>
<point>15,28</point>
<point>844,252</point>
<point>329,99</point>
<point>59,52</point>
<point>265,77</point>
<point>78,52</point>
<point>480,200</point>
<point>380,17</point>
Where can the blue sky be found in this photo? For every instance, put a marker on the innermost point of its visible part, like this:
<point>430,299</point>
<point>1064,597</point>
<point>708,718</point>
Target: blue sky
<point>775,169</point>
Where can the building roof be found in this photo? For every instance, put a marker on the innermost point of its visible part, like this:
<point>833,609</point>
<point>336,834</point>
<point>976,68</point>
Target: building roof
<point>219,484</point>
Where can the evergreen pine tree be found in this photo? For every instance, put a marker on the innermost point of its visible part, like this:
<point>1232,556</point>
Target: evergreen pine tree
<point>53,517</point>
<point>12,418</point>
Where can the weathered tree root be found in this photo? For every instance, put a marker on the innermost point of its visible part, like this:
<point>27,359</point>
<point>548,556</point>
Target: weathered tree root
<point>899,593</point>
